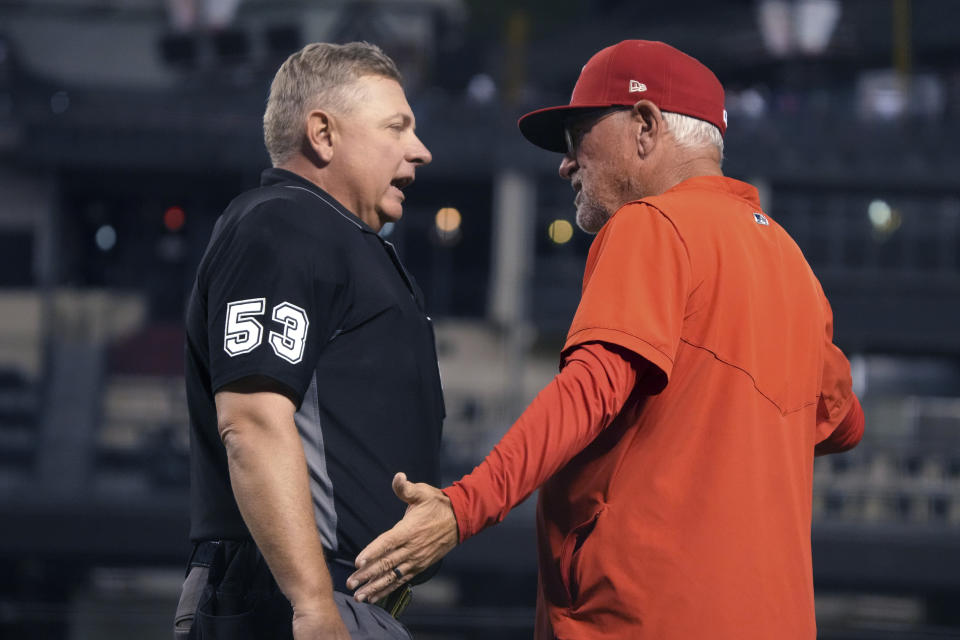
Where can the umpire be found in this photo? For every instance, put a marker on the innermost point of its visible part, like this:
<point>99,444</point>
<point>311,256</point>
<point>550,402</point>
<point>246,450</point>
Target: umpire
<point>311,367</point>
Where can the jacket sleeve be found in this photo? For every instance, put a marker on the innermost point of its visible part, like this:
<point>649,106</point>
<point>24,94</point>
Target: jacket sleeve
<point>840,420</point>
<point>562,420</point>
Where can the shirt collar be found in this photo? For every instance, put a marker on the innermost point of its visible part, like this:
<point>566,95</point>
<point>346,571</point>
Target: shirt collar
<point>734,187</point>
<point>275,177</point>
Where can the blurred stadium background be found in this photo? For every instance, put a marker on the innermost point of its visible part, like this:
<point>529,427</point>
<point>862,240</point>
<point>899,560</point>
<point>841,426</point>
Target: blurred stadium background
<point>127,125</point>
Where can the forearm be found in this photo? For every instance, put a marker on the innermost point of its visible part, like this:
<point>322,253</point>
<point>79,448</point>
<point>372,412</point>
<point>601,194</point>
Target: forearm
<point>268,473</point>
<point>560,422</point>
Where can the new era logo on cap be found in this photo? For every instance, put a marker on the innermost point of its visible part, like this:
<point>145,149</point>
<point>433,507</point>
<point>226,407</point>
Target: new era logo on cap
<point>759,218</point>
<point>637,87</point>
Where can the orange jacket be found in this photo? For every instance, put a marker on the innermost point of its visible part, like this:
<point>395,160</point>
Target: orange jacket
<point>675,448</point>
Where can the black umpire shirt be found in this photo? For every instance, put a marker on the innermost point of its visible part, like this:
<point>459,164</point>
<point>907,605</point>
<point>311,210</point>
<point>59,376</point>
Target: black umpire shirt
<point>295,287</point>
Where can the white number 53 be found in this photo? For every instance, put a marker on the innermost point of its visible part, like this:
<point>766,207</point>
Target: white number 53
<point>243,333</point>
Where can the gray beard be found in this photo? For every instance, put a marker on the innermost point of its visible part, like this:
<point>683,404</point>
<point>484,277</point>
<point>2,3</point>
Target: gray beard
<point>591,216</point>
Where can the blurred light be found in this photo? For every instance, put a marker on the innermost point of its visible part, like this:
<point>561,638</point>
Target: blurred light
<point>890,102</point>
<point>448,220</point>
<point>219,14</point>
<point>752,103</point>
<point>883,217</point>
<point>814,24</point>
<point>885,94</point>
<point>880,213</point>
<point>106,237</point>
<point>775,21</point>
<point>182,16</point>
<point>804,26</point>
<point>59,102</point>
<point>481,88</point>
<point>560,231</point>
<point>448,226</point>
<point>174,218</point>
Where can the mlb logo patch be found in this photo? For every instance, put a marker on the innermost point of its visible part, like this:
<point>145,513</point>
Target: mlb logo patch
<point>759,218</point>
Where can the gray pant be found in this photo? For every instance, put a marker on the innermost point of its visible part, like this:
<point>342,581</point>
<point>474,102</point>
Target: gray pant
<point>364,621</point>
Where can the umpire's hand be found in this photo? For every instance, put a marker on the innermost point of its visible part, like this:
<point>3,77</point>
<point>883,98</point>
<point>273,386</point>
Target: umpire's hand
<point>427,532</point>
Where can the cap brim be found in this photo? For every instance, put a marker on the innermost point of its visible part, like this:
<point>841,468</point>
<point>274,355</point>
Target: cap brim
<point>544,127</point>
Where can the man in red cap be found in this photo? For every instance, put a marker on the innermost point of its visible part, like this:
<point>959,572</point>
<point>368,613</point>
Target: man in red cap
<point>674,450</point>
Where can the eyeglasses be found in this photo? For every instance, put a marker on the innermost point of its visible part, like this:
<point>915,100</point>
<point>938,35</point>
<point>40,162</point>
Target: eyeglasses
<point>577,126</point>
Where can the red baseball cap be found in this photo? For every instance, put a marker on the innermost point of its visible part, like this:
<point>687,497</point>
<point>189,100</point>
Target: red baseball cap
<point>624,74</point>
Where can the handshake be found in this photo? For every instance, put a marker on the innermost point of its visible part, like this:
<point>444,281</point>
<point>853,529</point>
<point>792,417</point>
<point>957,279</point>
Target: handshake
<point>427,532</point>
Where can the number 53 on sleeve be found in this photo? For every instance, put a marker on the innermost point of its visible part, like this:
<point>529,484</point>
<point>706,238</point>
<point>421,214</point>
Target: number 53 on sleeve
<point>243,333</point>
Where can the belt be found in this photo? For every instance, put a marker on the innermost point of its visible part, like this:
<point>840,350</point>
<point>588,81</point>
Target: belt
<point>394,604</point>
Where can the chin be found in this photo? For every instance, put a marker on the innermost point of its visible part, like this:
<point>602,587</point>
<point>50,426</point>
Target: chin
<point>591,219</point>
<point>390,213</point>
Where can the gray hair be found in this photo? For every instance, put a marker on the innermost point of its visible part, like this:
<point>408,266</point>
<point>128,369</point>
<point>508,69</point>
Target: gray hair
<point>693,133</point>
<point>319,75</point>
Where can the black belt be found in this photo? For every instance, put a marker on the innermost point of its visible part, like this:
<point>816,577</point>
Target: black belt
<point>394,604</point>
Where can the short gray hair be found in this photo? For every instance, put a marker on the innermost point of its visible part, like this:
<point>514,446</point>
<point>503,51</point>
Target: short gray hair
<point>319,75</point>
<point>692,133</point>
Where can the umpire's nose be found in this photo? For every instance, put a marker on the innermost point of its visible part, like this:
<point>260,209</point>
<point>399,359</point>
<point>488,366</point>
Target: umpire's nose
<point>418,153</point>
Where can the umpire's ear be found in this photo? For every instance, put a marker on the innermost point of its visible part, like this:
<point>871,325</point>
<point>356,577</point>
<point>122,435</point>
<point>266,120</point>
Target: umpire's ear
<point>319,138</point>
<point>649,127</point>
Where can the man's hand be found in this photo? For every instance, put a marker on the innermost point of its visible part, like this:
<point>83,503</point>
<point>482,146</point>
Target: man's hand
<point>427,532</point>
<point>318,624</point>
